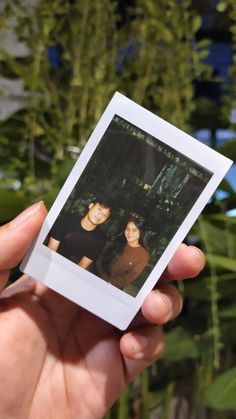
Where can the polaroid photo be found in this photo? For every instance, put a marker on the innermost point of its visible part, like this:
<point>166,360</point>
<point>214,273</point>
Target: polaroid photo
<point>130,200</point>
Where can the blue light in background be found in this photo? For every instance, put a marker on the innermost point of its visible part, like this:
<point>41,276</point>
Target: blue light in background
<point>221,194</point>
<point>231,213</point>
<point>231,177</point>
<point>53,56</point>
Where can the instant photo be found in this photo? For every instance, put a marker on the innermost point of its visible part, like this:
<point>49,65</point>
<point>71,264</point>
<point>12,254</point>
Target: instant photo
<point>145,187</point>
<point>134,193</point>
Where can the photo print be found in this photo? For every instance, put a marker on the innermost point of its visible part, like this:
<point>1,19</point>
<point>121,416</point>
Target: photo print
<point>127,205</point>
<point>130,200</point>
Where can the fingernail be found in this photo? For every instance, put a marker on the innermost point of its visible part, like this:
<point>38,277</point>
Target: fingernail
<point>29,212</point>
<point>198,250</point>
<point>201,257</point>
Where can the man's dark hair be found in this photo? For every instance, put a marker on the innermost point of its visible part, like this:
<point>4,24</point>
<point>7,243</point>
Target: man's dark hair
<point>103,203</point>
<point>106,203</point>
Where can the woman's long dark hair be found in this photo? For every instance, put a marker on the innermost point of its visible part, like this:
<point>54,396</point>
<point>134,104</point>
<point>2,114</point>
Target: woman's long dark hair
<point>139,227</point>
<point>115,247</point>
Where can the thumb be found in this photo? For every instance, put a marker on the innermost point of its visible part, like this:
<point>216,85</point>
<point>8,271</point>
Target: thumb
<point>17,236</point>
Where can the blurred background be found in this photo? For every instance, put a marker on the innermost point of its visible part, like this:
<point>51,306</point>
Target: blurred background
<point>60,63</point>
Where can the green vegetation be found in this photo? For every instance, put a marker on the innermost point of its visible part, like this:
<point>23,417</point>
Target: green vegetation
<point>153,58</point>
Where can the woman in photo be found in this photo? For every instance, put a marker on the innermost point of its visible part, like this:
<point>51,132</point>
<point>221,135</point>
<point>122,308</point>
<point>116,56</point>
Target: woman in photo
<point>126,258</point>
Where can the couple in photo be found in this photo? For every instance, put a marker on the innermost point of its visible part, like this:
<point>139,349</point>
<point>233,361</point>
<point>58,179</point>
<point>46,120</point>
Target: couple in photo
<point>81,240</point>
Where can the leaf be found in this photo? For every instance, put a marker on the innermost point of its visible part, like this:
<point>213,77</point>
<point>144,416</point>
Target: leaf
<point>37,130</point>
<point>220,394</point>
<point>179,345</point>
<point>221,237</point>
<point>229,149</point>
<point>11,204</point>
<point>63,170</point>
<point>203,43</point>
<point>203,53</point>
<point>221,6</point>
<point>222,217</point>
<point>196,23</point>
<point>225,185</point>
<point>228,312</point>
<point>167,34</point>
<point>200,289</point>
<point>222,262</point>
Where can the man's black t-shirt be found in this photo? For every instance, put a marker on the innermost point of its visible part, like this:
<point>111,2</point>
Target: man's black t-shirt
<point>75,241</point>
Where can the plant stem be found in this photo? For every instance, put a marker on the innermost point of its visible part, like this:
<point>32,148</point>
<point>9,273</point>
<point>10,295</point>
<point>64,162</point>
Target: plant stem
<point>214,297</point>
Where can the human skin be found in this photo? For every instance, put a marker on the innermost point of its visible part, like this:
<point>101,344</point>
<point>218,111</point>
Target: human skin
<point>60,361</point>
<point>132,234</point>
<point>97,214</point>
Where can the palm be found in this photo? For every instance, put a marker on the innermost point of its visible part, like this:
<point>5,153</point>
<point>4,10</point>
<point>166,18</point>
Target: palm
<point>56,359</point>
<point>66,360</point>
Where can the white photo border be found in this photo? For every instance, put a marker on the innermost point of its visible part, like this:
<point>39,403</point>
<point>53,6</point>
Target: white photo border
<point>83,287</point>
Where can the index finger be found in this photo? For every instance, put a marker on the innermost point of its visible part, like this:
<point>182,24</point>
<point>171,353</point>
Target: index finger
<point>17,236</point>
<point>187,262</point>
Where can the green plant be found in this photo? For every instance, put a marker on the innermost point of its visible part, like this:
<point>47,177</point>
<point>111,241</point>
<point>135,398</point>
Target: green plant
<point>65,99</point>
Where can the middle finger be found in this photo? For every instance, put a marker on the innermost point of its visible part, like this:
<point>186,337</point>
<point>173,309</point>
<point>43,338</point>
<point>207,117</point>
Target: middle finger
<point>162,304</point>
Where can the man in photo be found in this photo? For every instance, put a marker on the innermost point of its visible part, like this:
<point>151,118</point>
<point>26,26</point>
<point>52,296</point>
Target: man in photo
<point>80,239</point>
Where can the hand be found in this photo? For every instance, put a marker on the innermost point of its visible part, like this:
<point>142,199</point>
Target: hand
<point>60,361</point>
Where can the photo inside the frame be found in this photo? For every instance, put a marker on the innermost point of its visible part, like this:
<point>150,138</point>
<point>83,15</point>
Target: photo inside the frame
<point>127,205</point>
